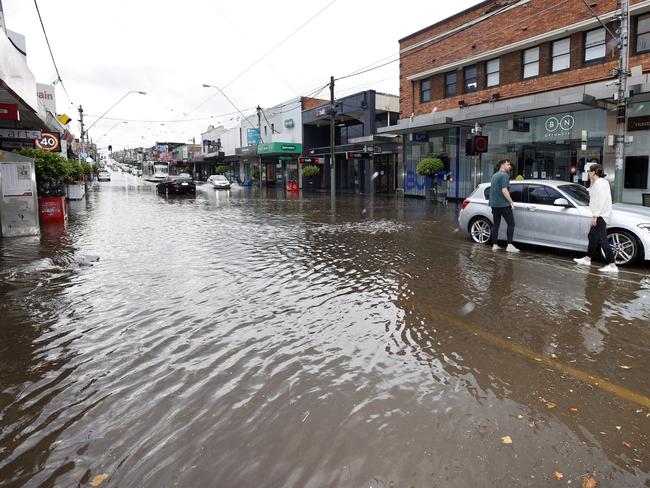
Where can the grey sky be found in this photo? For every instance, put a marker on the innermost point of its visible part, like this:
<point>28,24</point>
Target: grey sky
<point>169,49</point>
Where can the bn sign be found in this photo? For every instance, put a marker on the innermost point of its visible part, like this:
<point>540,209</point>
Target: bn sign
<point>49,141</point>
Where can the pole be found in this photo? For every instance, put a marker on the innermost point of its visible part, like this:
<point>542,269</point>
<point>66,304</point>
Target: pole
<point>259,132</point>
<point>81,128</point>
<point>621,101</point>
<point>332,140</point>
<point>476,178</point>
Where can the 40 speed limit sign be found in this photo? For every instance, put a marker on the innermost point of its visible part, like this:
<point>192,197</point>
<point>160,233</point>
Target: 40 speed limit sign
<point>49,141</point>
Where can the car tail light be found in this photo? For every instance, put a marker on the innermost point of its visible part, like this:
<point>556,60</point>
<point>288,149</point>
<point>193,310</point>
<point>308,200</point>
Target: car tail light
<point>464,204</point>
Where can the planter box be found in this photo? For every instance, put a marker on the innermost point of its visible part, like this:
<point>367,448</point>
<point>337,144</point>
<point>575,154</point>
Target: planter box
<point>75,191</point>
<point>52,209</point>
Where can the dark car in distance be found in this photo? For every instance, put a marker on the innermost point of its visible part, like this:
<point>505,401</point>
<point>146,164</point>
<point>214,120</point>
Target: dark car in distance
<point>176,185</point>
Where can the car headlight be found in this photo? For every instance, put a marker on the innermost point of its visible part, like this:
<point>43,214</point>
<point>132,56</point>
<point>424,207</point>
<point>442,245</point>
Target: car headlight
<point>644,226</point>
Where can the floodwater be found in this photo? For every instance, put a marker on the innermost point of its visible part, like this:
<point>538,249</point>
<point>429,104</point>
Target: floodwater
<point>245,340</point>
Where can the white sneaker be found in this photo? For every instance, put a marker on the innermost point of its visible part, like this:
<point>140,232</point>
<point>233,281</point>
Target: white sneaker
<point>610,268</point>
<point>583,261</point>
<point>511,248</point>
<point>495,247</point>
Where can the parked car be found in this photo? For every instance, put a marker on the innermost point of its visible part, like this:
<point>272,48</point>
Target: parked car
<point>556,214</point>
<point>103,176</point>
<point>137,172</point>
<point>219,181</point>
<point>176,185</point>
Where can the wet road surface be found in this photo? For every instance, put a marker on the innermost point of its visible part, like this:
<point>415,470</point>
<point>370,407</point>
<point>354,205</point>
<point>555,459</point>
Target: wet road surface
<point>277,341</point>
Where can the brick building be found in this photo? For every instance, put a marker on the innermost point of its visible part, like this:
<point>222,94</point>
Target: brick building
<point>536,75</point>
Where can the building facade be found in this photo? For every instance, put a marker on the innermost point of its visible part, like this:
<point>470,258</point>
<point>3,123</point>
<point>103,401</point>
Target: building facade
<point>535,77</point>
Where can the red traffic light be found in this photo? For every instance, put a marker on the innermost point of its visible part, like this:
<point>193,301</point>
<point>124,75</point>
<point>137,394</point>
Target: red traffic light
<point>481,144</point>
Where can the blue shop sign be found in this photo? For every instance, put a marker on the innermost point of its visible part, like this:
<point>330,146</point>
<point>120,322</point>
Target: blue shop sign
<point>417,137</point>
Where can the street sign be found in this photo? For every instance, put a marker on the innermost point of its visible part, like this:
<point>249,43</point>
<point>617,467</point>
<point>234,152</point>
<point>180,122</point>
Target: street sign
<point>49,141</point>
<point>83,155</point>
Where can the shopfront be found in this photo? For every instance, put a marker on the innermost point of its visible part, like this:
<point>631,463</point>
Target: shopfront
<point>553,146</point>
<point>279,162</point>
<point>636,180</point>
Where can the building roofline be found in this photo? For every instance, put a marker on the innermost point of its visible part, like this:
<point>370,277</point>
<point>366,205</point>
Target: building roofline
<point>444,21</point>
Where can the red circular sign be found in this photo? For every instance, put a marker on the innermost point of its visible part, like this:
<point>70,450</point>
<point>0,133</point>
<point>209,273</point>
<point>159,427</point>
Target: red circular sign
<point>48,142</point>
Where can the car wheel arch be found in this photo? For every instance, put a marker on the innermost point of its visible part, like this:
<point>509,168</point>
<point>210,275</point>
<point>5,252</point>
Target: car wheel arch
<point>639,250</point>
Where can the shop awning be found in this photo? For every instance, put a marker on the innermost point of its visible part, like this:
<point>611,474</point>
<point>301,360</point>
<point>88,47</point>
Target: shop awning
<point>568,99</point>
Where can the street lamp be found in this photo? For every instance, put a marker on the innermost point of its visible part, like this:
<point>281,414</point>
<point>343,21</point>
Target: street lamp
<point>111,107</point>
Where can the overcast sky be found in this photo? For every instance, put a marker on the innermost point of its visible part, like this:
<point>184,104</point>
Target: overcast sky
<point>104,49</point>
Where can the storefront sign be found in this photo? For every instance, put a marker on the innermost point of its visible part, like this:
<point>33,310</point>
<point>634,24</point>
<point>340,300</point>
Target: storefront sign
<point>20,134</point>
<point>46,96</point>
<point>357,155</point>
<point>288,123</point>
<point>253,136</point>
<point>279,148</point>
<point>559,125</point>
<point>309,160</point>
<point>49,141</point>
<point>415,137</point>
<point>320,112</point>
<point>246,151</point>
<point>638,123</point>
<point>8,111</point>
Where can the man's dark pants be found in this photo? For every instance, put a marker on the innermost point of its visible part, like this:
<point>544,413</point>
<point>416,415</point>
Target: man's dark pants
<point>509,217</point>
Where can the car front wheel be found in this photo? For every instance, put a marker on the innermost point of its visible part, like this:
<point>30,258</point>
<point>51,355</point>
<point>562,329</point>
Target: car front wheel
<point>480,229</point>
<point>624,246</point>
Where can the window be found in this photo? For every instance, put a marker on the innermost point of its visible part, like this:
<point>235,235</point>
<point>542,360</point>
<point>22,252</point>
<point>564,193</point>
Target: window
<point>450,84</point>
<point>471,79</point>
<point>531,62</point>
<point>578,192</point>
<point>425,91</point>
<point>272,128</point>
<point>516,192</point>
<point>636,172</point>
<point>264,130</point>
<point>542,195</point>
<point>643,33</point>
<point>561,53</point>
<point>492,72</point>
<point>595,45</point>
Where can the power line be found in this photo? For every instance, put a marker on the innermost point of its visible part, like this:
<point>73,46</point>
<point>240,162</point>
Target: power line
<point>173,120</point>
<point>59,79</point>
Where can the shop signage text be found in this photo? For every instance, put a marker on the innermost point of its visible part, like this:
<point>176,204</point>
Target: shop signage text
<point>357,155</point>
<point>415,137</point>
<point>20,134</point>
<point>638,123</point>
<point>309,160</point>
<point>320,112</point>
<point>288,123</point>
<point>559,126</point>
<point>49,141</point>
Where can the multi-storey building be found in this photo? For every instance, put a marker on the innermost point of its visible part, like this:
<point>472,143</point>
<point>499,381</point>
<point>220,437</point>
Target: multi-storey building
<point>536,76</point>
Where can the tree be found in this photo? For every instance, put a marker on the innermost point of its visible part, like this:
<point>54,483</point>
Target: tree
<point>430,167</point>
<point>222,169</point>
<point>310,170</point>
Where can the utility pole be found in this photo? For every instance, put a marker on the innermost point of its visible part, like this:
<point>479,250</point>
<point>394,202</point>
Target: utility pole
<point>332,140</point>
<point>476,174</point>
<point>81,128</point>
<point>621,97</point>
<point>259,139</point>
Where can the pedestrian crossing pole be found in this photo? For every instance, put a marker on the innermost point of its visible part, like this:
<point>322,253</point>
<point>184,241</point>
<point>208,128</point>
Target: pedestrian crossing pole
<point>621,97</point>
<point>332,140</point>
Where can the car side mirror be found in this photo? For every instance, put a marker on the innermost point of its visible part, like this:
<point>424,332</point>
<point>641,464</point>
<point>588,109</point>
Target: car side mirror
<point>561,202</point>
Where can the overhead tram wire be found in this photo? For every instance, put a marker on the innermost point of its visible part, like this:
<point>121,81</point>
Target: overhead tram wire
<point>173,120</point>
<point>47,40</point>
<point>266,54</point>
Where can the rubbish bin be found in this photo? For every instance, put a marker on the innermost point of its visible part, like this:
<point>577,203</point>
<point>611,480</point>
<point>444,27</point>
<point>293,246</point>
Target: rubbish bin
<point>646,199</point>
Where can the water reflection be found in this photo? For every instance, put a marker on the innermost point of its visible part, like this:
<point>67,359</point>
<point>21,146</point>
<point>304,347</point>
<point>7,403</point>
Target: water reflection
<point>280,340</point>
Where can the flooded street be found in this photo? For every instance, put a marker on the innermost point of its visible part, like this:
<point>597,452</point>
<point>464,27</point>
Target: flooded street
<point>239,340</point>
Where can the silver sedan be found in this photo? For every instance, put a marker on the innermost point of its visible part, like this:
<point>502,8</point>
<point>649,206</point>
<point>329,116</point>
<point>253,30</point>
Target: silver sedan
<point>556,214</point>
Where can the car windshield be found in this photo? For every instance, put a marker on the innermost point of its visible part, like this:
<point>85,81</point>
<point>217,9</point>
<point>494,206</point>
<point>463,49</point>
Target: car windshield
<point>220,178</point>
<point>578,192</point>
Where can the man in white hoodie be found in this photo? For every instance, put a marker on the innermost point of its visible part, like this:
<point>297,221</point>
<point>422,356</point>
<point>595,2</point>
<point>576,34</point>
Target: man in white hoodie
<point>600,204</point>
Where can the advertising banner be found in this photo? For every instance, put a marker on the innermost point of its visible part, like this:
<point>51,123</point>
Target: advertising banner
<point>46,96</point>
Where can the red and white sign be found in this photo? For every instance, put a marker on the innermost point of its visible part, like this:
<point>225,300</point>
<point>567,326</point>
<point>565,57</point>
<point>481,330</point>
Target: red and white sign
<point>309,160</point>
<point>9,111</point>
<point>49,141</point>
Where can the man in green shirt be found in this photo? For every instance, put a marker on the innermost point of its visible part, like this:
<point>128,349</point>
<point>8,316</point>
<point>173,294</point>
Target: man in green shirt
<point>502,204</point>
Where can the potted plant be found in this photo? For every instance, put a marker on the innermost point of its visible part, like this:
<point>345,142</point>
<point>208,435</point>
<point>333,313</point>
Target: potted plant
<point>430,167</point>
<point>255,174</point>
<point>77,171</point>
<point>51,173</point>
<point>222,169</point>
<point>309,172</point>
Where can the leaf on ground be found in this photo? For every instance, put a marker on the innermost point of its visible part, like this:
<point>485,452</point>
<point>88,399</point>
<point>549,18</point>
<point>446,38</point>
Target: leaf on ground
<point>589,482</point>
<point>623,366</point>
<point>531,424</point>
<point>506,439</point>
<point>573,409</point>
<point>99,479</point>
<point>557,475</point>
<point>627,444</point>
<point>520,416</point>
<point>551,405</point>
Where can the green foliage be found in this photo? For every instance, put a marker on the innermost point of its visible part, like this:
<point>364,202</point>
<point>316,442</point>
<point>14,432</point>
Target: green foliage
<point>50,167</point>
<point>95,168</point>
<point>255,173</point>
<point>222,169</point>
<point>310,170</point>
<point>429,166</point>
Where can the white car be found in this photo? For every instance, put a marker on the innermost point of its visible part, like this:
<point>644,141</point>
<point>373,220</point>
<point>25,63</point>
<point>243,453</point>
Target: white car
<point>219,181</point>
<point>556,214</point>
<point>103,176</point>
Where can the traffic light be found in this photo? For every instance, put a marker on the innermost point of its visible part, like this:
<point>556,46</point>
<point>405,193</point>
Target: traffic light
<point>476,145</point>
<point>110,148</point>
